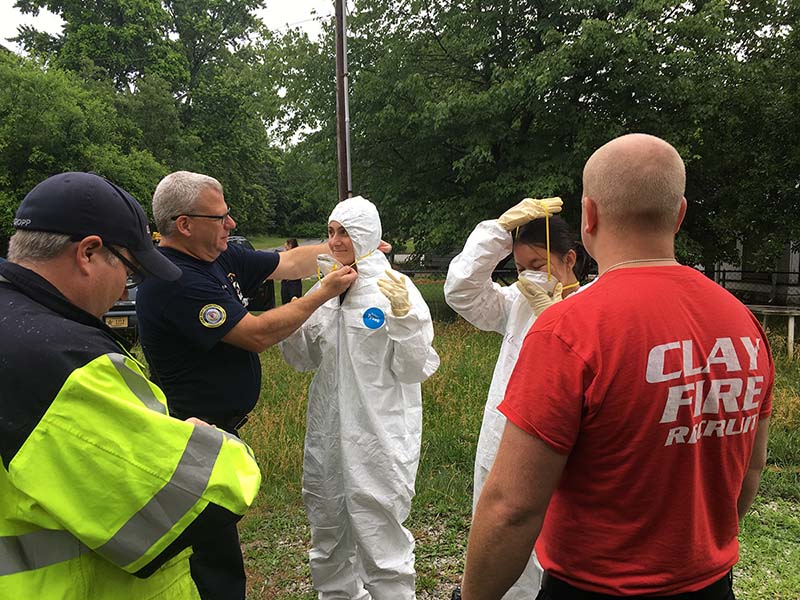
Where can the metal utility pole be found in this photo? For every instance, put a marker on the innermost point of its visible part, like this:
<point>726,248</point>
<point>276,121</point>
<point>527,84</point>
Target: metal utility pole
<point>342,107</point>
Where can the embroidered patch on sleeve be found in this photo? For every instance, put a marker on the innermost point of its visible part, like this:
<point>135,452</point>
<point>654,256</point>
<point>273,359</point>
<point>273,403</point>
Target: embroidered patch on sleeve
<point>212,315</point>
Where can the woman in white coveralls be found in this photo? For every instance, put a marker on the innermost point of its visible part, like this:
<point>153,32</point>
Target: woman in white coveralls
<point>510,311</point>
<point>371,349</point>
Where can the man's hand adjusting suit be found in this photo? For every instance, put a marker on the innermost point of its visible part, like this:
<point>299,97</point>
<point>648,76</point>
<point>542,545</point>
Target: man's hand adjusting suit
<point>528,210</point>
<point>537,296</point>
<point>394,288</point>
<point>337,281</point>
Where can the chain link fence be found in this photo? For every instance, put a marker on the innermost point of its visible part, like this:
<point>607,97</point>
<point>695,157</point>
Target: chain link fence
<point>776,288</point>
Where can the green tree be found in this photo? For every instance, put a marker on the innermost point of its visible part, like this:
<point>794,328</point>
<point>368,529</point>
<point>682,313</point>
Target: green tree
<point>460,109</point>
<point>119,40</point>
<point>50,122</point>
<point>192,86</point>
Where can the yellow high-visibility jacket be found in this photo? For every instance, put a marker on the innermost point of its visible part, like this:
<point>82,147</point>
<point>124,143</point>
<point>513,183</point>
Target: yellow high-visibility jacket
<point>101,492</point>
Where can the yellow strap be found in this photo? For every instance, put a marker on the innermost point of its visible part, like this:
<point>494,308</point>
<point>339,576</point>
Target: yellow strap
<point>335,266</point>
<point>547,236</point>
<point>570,286</point>
<point>362,257</point>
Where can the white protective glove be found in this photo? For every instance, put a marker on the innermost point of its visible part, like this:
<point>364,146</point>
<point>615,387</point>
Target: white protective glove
<point>394,288</point>
<point>537,296</point>
<point>528,210</point>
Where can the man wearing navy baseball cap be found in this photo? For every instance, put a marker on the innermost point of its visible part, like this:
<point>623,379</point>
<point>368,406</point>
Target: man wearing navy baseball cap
<point>91,506</point>
<point>84,204</point>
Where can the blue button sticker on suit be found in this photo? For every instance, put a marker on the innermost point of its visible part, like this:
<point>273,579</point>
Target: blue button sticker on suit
<point>374,318</point>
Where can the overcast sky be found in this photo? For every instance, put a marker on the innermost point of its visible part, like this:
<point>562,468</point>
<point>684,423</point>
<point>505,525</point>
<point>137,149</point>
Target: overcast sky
<point>278,15</point>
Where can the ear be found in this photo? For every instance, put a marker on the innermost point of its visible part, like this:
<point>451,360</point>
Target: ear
<point>571,258</point>
<point>588,215</point>
<point>87,253</point>
<point>681,214</point>
<point>182,225</point>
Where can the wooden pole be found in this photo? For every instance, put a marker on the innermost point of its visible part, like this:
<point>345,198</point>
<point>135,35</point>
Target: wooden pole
<point>342,109</point>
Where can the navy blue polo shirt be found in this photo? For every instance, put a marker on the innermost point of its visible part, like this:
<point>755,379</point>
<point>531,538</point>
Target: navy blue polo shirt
<point>182,323</point>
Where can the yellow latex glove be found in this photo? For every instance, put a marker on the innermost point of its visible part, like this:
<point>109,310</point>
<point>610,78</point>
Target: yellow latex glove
<point>537,296</point>
<point>528,210</point>
<point>394,288</point>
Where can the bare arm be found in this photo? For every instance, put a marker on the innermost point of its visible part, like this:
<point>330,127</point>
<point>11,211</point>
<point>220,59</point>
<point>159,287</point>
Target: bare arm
<point>302,261</point>
<point>752,478</point>
<point>510,513</point>
<point>257,333</point>
<point>299,262</point>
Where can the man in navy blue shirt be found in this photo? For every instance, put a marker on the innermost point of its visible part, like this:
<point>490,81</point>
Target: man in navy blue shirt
<point>201,342</point>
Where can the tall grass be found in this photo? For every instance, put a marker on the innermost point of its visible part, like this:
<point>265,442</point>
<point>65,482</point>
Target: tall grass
<point>275,533</point>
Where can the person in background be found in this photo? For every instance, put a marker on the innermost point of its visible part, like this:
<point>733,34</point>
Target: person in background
<point>525,230</point>
<point>634,448</point>
<point>371,349</point>
<point>201,342</point>
<point>102,492</point>
<point>290,288</point>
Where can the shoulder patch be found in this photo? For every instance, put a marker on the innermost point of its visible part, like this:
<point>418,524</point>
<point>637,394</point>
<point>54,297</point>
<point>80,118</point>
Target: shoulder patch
<point>212,315</point>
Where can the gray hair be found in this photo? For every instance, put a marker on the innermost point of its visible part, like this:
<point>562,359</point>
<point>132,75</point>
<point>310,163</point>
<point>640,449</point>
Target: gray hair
<point>177,194</point>
<point>36,246</point>
<point>27,246</point>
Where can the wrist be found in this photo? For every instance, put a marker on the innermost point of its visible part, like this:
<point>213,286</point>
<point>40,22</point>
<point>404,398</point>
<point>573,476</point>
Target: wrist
<point>321,295</point>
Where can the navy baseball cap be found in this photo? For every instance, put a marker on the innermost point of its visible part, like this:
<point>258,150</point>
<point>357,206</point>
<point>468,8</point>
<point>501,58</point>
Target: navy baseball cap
<point>82,204</point>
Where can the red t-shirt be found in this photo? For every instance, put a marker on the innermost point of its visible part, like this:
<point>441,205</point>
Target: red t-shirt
<point>653,381</point>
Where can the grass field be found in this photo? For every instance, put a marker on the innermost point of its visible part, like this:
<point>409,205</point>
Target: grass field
<point>275,534</point>
<point>266,242</point>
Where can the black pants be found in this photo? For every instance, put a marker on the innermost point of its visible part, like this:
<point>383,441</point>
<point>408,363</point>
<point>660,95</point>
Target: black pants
<point>556,589</point>
<point>291,288</point>
<point>217,565</point>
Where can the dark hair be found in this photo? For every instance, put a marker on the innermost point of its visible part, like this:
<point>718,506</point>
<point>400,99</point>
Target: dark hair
<point>562,241</point>
<point>292,242</point>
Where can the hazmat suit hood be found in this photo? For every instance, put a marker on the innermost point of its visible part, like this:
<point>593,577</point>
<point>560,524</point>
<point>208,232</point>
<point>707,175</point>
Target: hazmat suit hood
<point>360,218</point>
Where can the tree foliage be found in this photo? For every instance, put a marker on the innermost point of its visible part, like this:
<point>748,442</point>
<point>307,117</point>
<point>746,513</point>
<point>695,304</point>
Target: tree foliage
<point>50,122</point>
<point>458,109</point>
<point>186,83</point>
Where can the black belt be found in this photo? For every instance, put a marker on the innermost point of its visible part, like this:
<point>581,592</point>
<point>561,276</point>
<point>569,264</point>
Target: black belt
<point>560,590</point>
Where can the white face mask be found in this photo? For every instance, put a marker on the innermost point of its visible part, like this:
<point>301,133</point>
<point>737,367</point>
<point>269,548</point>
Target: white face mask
<point>325,264</point>
<point>540,279</point>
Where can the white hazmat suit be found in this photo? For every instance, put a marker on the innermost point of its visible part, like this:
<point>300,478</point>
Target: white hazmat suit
<point>364,424</point>
<point>470,291</point>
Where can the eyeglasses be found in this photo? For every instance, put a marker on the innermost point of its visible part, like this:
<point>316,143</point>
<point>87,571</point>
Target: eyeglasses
<point>220,218</point>
<point>135,274</point>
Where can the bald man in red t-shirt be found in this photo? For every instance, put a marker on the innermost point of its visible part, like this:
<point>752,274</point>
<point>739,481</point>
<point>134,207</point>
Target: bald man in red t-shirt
<point>631,461</point>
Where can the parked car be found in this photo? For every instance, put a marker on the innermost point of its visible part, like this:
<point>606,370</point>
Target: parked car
<point>122,318</point>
